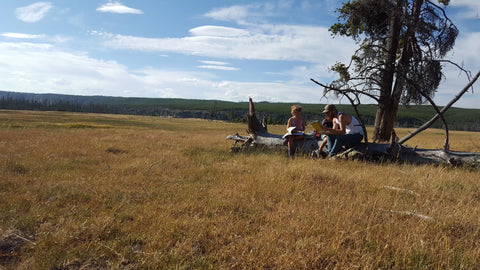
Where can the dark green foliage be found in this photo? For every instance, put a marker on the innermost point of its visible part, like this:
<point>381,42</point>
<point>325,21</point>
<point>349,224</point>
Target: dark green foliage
<point>369,17</point>
<point>421,42</point>
<point>271,113</point>
<point>401,44</point>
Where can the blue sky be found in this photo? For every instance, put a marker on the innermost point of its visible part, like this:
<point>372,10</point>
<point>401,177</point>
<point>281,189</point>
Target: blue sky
<point>217,49</point>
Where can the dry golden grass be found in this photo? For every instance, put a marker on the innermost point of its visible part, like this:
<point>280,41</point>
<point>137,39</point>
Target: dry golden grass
<point>89,191</point>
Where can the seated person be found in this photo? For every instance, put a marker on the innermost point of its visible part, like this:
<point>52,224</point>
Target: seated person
<point>298,122</point>
<point>346,130</point>
<point>326,123</point>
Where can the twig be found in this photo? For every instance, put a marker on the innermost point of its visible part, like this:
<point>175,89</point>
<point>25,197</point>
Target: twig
<point>23,238</point>
<point>116,253</point>
<point>402,190</point>
<point>408,213</point>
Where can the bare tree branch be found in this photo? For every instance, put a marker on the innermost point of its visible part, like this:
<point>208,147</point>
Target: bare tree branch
<point>355,106</point>
<point>468,73</point>
<point>439,113</point>
<point>352,101</point>
<point>343,91</point>
<point>431,121</point>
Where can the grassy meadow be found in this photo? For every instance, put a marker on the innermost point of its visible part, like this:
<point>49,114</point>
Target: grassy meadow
<point>92,191</point>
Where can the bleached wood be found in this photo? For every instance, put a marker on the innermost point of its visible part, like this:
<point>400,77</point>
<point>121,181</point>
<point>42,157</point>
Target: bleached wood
<point>259,137</point>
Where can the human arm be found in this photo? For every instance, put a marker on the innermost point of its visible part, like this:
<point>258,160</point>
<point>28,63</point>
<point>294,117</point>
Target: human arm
<point>340,126</point>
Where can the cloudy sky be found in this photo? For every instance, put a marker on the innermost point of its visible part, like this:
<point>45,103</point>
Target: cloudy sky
<point>212,49</point>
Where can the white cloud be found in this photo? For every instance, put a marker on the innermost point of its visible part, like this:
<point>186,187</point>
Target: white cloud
<point>473,8</point>
<point>218,31</point>
<point>465,54</point>
<point>218,63</point>
<point>43,68</point>
<point>266,42</point>
<point>34,12</point>
<point>233,13</point>
<point>218,67</point>
<point>466,49</point>
<point>100,34</point>
<point>117,7</point>
<point>43,38</point>
<point>21,36</point>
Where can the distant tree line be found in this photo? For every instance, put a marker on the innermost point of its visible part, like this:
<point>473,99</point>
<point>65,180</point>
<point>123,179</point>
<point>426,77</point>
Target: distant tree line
<point>271,113</point>
<point>32,102</point>
<point>12,103</point>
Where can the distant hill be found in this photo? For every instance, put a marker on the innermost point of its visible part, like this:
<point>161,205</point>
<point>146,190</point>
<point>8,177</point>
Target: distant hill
<point>273,113</point>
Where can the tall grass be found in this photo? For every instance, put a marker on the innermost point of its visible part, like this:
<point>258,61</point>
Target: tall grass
<point>157,193</point>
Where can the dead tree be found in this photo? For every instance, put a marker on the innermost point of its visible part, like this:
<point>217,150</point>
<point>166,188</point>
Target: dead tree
<point>440,113</point>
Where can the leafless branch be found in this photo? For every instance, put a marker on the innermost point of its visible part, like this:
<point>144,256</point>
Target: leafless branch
<point>343,91</point>
<point>431,121</point>
<point>467,72</point>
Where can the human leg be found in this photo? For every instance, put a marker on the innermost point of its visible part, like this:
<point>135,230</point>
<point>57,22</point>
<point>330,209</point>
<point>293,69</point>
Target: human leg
<point>290,146</point>
<point>351,140</point>
<point>335,142</point>
<point>324,142</point>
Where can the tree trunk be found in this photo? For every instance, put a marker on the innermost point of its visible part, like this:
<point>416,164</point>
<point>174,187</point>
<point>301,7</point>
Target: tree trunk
<point>384,122</point>
<point>387,111</point>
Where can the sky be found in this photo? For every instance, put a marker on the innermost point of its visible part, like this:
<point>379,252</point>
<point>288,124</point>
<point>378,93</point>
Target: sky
<point>209,49</point>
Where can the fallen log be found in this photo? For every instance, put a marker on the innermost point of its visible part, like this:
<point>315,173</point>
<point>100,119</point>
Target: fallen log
<point>259,138</point>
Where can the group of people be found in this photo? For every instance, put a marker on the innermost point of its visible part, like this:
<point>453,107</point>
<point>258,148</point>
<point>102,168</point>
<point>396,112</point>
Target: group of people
<point>339,129</point>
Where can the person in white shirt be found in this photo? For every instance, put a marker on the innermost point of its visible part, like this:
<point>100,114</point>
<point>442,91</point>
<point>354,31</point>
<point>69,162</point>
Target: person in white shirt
<point>346,130</point>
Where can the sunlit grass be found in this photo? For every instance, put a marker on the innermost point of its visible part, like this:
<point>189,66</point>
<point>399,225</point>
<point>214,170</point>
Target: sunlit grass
<point>161,193</point>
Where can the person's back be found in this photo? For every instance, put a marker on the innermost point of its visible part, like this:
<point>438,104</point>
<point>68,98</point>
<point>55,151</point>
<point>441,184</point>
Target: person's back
<point>298,123</point>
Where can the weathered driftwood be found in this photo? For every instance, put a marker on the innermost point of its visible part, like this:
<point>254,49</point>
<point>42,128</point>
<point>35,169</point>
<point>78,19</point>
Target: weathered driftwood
<point>259,137</point>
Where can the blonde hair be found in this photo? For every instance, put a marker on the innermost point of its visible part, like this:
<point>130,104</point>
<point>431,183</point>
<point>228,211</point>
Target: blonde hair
<point>296,107</point>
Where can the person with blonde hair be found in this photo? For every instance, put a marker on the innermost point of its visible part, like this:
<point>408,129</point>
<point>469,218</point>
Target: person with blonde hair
<point>296,127</point>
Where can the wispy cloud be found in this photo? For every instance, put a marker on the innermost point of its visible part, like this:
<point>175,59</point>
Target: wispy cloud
<point>473,8</point>
<point>217,65</point>
<point>233,13</point>
<point>37,66</point>
<point>218,31</point>
<point>21,35</point>
<point>117,7</point>
<point>266,42</point>
<point>43,68</point>
<point>253,39</point>
<point>34,12</point>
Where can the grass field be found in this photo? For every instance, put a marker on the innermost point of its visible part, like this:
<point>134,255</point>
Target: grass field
<point>91,191</point>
